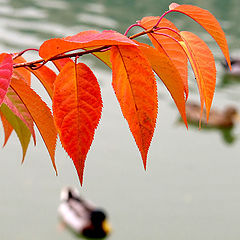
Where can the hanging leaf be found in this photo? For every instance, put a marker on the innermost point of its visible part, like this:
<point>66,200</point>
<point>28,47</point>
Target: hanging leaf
<point>15,104</point>
<point>20,128</point>
<point>203,65</point>
<point>104,57</point>
<point>7,127</point>
<point>6,70</point>
<point>135,87</point>
<point>46,77</point>
<point>77,107</point>
<point>22,72</point>
<point>171,47</point>
<point>166,70</point>
<point>56,46</point>
<point>207,21</point>
<point>40,113</point>
<point>60,63</point>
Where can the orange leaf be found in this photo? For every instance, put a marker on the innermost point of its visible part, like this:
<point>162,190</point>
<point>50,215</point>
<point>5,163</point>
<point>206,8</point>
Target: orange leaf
<point>6,70</point>
<point>22,72</point>
<point>40,113</point>
<point>167,72</point>
<point>7,128</point>
<point>59,63</point>
<point>77,107</point>
<point>136,90</point>
<point>207,21</point>
<point>171,47</point>
<point>56,46</point>
<point>203,65</point>
<point>46,77</point>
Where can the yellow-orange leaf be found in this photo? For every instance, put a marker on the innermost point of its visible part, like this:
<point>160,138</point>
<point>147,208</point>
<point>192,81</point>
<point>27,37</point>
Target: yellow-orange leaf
<point>77,107</point>
<point>46,77</point>
<point>16,105</point>
<point>7,128</point>
<point>170,46</point>
<point>207,21</point>
<point>20,128</point>
<point>87,39</point>
<point>135,87</point>
<point>167,72</point>
<point>40,113</point>
<point>104,57</point>
<point>203,65</point>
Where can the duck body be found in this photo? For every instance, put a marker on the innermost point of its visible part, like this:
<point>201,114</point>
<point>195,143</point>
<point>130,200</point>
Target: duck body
<point>217,118</point>
<point>81,216</point>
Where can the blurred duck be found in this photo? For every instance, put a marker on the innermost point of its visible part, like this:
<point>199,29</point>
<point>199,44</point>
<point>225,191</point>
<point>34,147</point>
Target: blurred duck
<point>217,119</point>
<point>235,62</point>
<point>81,216</point>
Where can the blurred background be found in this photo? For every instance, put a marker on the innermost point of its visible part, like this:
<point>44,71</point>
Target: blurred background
<point>191,189</point>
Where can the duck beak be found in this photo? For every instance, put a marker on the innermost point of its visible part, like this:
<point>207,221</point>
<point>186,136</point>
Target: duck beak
<point>106,227</point>
<point>237,117</point>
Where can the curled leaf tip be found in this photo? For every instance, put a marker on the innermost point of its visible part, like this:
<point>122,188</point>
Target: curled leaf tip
<point>173,5</point>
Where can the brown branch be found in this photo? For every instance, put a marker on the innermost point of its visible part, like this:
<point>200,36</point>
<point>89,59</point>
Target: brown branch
<point>33,64</point>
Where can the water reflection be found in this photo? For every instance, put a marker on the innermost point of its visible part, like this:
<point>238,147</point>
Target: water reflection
<point>228,80</point>
<point>227,134</point>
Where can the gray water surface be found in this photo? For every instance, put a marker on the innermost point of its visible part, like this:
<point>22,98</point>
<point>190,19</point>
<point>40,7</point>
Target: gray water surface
<point>191,189</point>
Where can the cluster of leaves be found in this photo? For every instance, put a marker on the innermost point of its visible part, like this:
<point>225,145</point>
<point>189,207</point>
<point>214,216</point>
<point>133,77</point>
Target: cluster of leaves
<point>75,92</point>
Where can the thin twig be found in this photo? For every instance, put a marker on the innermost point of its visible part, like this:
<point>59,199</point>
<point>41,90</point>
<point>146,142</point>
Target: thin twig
<point>22,52</point>
<point>33,64</point>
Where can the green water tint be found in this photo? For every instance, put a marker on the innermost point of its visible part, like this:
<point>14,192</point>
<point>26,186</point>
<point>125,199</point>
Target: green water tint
<point>191,187</point>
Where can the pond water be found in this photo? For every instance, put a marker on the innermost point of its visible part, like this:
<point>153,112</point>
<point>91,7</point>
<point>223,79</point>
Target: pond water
<point>191,189</point>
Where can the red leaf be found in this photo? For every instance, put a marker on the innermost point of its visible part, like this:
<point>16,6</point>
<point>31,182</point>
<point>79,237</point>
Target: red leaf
<point>207,21</point>
<point>171,47</point>
<point>135,87</point>
<point>167,72</point>
<point>6,70</point>
<point>40,113</point>
<point>203,64</point>
<point>53,47</point>
<point>77,107</point>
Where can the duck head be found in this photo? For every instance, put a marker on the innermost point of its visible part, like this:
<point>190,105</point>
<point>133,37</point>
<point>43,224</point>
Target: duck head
<point>231,112</point>
<point>99,228</point>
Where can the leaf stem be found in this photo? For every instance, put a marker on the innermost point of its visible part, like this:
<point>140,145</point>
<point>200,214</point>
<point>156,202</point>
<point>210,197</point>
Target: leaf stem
<point>22,52</point>
<point>33,64</point>
<point>168,28</point>
<point>166,35</point>
<point>159,20</point>
<point>130,27</point>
